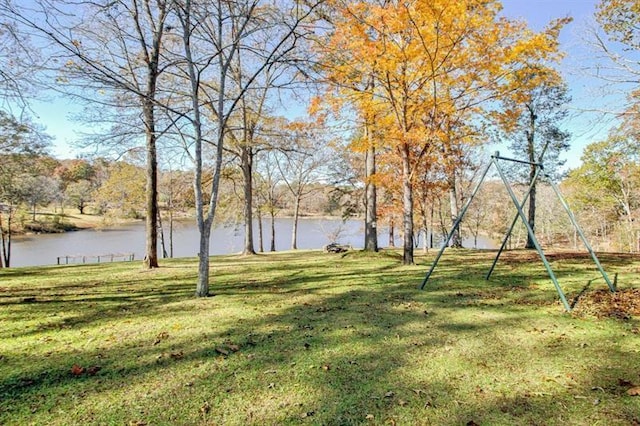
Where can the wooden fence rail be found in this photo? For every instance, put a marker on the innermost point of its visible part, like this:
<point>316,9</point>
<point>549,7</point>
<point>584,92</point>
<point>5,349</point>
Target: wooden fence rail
<point>72,260</point>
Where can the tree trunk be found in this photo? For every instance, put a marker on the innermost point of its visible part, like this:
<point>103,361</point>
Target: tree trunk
<point>273,232</point>
<point>370,221</point>
<point>432,213</point>
<point>425,229</point>
<point>392,236</point>
<point>6,242</point>
<point>296,215</point>
<point>407,207</point>
<point>246,159</point>
<point>456,238</point>
<point>532,210</point>
<point>260,231</point>
<point>170,205</point>
<point>202,288</point>
<point>2,243</point>
<point>162,242</point>
<point>151,220</point>
<point>532,171</point>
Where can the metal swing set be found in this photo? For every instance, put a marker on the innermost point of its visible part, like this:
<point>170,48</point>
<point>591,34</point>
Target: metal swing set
<point>539,171</point>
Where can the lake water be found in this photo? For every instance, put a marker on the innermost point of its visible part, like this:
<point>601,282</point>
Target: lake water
<point>313,233</point>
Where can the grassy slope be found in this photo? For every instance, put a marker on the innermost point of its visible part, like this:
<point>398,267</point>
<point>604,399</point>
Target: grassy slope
<point>312,338</point>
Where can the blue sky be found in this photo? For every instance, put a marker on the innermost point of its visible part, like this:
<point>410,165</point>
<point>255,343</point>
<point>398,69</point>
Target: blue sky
<point>585,127</point>
<point>586,123</point>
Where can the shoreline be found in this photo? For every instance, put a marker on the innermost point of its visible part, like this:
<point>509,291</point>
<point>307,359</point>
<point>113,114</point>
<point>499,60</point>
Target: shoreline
<point>81,222</point>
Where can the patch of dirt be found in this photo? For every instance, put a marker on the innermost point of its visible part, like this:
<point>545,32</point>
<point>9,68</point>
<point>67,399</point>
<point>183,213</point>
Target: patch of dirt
<point>623,304</point>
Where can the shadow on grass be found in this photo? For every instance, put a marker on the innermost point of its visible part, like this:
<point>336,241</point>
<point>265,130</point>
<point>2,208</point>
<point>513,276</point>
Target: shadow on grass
<point>326,342</point>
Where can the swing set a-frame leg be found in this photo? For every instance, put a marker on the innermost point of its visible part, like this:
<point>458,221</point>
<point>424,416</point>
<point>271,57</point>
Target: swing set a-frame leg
<point>513,223</point>
<point>533,238</point>
<point>455,226</point>
<point>582,236</point>
<point>520,214</point>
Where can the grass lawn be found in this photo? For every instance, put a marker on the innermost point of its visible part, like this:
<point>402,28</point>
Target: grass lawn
<point>313,338</point>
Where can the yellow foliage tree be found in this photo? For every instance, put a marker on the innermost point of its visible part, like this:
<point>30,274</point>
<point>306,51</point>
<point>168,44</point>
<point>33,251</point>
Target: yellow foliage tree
<point>124,190</point>
<point>423,63</point>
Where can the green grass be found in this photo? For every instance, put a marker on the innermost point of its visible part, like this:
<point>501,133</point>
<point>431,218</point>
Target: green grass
<point>313,338</point>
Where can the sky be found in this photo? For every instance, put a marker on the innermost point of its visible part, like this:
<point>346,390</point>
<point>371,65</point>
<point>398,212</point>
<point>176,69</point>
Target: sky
<point>584,124</point>
<point>56,114</point>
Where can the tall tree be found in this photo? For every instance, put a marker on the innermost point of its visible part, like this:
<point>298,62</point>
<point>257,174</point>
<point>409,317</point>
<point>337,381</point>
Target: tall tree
<point>429,59</point>
<point>301,167</point>
<point>213,34</point>
<point>80,193</point>
<point>19,60</point>
<point>610,176</point>
<point>37,191</point>
<point>246,136</point>
<point>532,121</point>
<point>114,46</point>
<point>616,50</point>
<point>21,142</point>
<point>123,190</point>
<point>269,194</point>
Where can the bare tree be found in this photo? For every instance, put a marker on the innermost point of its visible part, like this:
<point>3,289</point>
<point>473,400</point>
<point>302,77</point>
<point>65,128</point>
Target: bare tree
<point>301,167</point>
<point>20,143</point>
<point>18,61</point>
<point>269,194</point>
<point>113,47</point>
<point>213,34</point>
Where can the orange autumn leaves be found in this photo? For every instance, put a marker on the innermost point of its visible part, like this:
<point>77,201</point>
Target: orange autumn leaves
<point>421,75</point>
<point>409,67</point>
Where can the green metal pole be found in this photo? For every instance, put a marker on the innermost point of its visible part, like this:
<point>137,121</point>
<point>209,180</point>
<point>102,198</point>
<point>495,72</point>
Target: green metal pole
<point>513,224</point>
<point>455,226</point>
<point>582,236</point>
<point>533,238</point>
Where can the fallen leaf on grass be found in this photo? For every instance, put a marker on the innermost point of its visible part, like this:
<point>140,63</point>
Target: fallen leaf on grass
<point>176,355</point>
<point>389,394</point>
<point>137,423</point>
<point>634,391</point>
<point>402,403</point>
<point>222,351</point>
<point>369,417</point>
<point>205,408</point>
<point>76,370</point>
<point>227,349</point>
<point>160,337</point>
<point>93,370</point>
